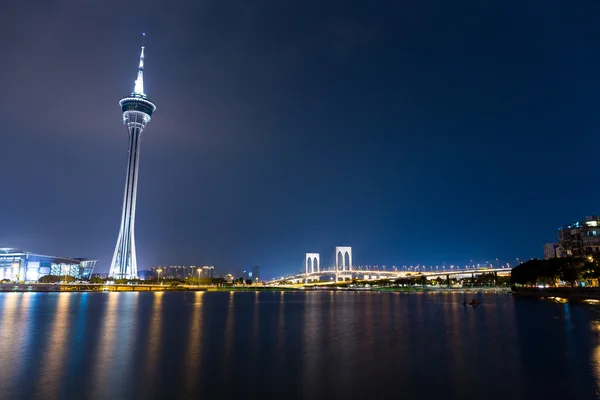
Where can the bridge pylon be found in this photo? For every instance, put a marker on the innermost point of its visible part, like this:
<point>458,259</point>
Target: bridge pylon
<point>312,265</point>
<point>343,262</point>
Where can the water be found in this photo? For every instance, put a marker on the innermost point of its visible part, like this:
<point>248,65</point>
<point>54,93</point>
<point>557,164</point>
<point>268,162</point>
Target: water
<point>295,345</point>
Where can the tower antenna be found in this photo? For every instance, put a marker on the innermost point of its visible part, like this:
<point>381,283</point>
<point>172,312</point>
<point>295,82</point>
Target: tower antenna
<point>138,88</point>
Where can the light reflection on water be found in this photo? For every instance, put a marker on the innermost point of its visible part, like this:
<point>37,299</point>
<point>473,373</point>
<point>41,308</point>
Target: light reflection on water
<point>193,347</point>
<point>153,346</point>
<point>13,322</point>
<point>104,357</point>
<point>54,355</point>
<point>295,345</point>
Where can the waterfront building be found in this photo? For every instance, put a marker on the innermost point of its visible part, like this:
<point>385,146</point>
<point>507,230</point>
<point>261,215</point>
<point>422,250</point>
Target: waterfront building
<point>581,238</point>
<point>183,271</point>
<point>137,112</point>
<point>17,265</point>
<point>208,271</point>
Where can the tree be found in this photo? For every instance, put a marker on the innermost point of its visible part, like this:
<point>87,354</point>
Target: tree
<point>96,279</point>
<point>56,279</point>
<point>549,272</point>
<point>49,279</point>
<point>485,279</point>
<point>571,270</point>
<point>249,282</point>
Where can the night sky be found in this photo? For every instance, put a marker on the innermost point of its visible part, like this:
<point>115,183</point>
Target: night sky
<point>416,132</point>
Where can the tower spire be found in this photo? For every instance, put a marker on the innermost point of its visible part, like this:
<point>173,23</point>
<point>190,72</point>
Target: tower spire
<point>139,82</point>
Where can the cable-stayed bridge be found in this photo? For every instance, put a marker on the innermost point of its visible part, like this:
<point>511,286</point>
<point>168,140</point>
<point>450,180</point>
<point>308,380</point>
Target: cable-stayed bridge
<point>344,270</point>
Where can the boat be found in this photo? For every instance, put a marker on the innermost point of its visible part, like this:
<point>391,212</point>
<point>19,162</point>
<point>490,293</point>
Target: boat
<point>473,303</point>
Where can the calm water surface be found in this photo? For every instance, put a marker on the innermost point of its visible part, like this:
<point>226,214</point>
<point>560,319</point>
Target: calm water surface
<point>295,345</point>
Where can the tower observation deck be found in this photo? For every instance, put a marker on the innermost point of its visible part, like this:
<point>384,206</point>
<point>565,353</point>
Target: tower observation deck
<point>137,112</point>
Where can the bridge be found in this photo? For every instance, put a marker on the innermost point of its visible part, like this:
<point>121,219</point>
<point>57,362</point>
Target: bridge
<point>343,270</point>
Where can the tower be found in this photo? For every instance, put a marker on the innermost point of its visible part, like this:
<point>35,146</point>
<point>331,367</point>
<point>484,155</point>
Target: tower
<point>312,263</point>
<point>343,261</point>
<point>137,110</point>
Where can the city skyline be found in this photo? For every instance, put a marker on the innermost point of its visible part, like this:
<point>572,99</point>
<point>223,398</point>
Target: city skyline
<point>415,138</point>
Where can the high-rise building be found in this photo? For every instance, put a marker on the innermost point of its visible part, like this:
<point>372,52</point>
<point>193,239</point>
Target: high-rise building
<point>581,238</point>
<point>550,250</point>
<point>137,112</point>
<point>183,271</point>
<point>176,271</point>
<point>256,273</point>
<point>253,274</point>
<point>208,271</point>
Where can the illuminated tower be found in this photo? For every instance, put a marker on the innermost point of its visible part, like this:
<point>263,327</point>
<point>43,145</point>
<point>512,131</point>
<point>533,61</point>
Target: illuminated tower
<point>137,110</point>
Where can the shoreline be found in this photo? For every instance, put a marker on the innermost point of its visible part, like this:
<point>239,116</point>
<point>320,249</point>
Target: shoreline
<point>99,288</point>
<point>577,293</point>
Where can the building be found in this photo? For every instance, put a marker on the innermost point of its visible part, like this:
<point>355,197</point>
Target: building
<point>207,271</point>
<point>256,273</point>
<point>229,278</point>
<point>183,271</point>
<point>581,238</point>
<point>17,265</point>
<point>145,274</point>
<point>175,271</point>
<point>550,250</point>
<point>252,274</point>
<point>137,112</point>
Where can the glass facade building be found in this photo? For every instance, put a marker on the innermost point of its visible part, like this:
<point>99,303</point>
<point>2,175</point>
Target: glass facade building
<point>17,265</point>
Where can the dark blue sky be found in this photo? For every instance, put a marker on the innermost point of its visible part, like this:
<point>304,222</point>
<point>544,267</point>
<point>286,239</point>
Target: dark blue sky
<point>416,132</point>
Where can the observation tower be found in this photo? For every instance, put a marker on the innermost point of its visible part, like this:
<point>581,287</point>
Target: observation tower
<point>137,112</point>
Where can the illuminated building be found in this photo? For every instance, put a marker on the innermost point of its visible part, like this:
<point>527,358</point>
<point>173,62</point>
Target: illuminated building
<point>145,274</point>
<point>253,274</point>
<point>184,271</point>
<point>17,265</point>
<point>580,238</point>
<point>208,271</point>
<point>137,112</point>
